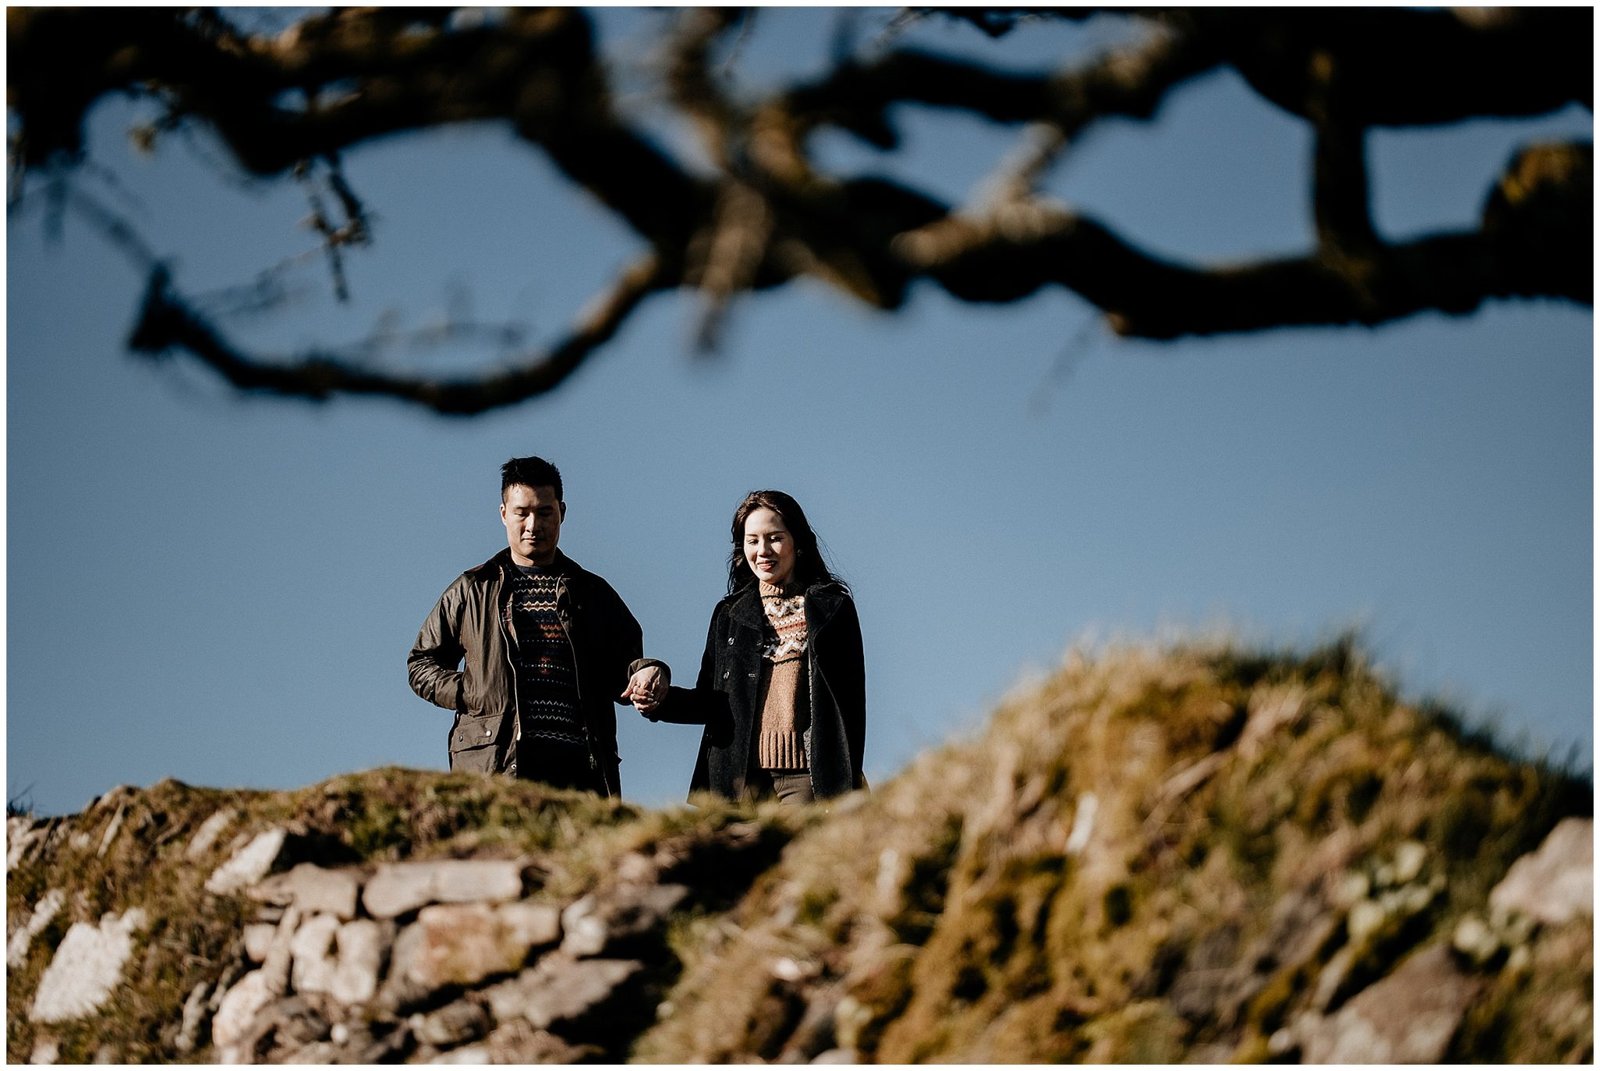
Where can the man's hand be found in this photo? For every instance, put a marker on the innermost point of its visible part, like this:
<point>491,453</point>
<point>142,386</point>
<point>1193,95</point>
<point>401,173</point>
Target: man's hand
<point>646,689</point>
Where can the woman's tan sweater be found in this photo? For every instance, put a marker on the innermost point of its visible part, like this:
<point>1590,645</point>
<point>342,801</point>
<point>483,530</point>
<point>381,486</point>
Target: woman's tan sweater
<point>779,743</point>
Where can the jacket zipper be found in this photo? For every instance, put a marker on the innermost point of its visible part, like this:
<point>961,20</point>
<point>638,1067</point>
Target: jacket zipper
<point>508,637</point>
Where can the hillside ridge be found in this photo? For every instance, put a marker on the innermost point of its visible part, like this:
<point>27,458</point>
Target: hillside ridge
<point>1194,853</point>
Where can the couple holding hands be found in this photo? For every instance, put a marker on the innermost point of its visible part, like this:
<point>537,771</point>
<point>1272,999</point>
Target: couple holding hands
<point>531,652</point>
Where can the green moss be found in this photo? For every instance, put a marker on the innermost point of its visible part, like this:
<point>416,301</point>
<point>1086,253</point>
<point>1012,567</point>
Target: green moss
<point>1254,1049</point>
<point>379,832</point>
<point>1269,1008</point>
<point>1146,1032</point>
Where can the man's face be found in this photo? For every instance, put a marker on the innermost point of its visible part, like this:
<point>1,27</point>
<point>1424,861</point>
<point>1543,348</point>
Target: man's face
<point>532,517</point>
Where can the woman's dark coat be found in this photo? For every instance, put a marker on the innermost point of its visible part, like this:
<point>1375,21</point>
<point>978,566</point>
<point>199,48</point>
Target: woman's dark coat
<point>726,697</point>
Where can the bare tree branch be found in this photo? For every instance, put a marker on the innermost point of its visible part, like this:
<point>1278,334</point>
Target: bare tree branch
<point>167,323</point>
<point>294,100</point>
<point>1405,67</point>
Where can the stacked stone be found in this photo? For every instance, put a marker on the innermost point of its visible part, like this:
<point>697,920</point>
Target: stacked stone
<point>447,961</point>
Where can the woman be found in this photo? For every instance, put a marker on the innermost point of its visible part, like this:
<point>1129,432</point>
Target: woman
<point>782,687</point>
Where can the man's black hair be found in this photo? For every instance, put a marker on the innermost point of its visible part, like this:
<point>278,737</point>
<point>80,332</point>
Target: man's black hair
<point>530,472</point>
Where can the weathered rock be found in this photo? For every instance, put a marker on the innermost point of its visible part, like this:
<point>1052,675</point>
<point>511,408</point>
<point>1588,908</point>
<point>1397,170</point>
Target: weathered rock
<point>112,830</point>
<point>1366,918</point>
<point>313,954</point>
<point>313,889</point>
<point>22,836</point>
<point>612,916</point>
<point>194,1018</point>
<point>1475,940</point>
<point>1407,1017</point>
<point>1409,858</point>
<point>239,1005</point>
<point>318,1052</point>
<point>467,1054</point>
<point>850,1020</point>
<point>363,946</point>
<point>206,836</point>
<point>1082,824</point>
<point>1555,883</point>
<point>462,944</point>
<point>284,1030</point>
<point>257,939</point>
<point>836,1056</point>
<point>454,1024</point>
<point>538,925</point>
<point>43,913</point>
<point>561,990</point>
<point>249,864</point>
<point>520,1042</point>
<point>114,795</point>
<point>400,888</point>
<point>86,968</point>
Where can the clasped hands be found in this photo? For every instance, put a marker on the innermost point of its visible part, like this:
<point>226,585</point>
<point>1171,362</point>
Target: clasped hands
<point>646,689</point>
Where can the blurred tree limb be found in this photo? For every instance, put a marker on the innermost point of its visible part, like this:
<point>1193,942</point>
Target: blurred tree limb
<point>767,213</point>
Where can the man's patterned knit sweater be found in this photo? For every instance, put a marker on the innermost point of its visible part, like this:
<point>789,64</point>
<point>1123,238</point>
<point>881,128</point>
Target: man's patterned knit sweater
<point>547,681</point>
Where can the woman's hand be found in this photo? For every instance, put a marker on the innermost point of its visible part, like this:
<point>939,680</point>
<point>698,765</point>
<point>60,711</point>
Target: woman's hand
<point>646,689</point>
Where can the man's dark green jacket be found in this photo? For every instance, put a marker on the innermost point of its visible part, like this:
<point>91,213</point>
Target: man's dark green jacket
<point>462,661</point>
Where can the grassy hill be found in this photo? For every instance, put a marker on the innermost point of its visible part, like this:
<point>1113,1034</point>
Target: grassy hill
<point>1153,856</point>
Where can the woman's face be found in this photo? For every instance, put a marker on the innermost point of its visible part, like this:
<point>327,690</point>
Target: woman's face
<point>768,546</point>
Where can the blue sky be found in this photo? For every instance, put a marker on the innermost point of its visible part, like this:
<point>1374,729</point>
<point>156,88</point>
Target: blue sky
<point>223,589</point>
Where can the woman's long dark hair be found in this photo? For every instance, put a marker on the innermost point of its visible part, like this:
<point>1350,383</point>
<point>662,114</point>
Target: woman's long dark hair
<point>809,565</point>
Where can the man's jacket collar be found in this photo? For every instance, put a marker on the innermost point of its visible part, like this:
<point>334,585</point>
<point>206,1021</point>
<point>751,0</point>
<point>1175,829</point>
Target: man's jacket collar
<point>502,565</point>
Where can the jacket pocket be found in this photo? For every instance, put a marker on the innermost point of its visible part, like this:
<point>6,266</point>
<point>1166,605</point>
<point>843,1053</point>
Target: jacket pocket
<point>472,742</point>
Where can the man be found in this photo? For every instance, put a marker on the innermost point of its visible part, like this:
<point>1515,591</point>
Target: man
<point>530,650</point>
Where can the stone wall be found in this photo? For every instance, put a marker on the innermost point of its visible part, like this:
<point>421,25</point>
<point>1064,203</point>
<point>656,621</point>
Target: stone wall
<point>448,961</point>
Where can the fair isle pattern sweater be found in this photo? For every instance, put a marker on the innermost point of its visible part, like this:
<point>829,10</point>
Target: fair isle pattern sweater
<point>779,743</point>
<point>547,679</point>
